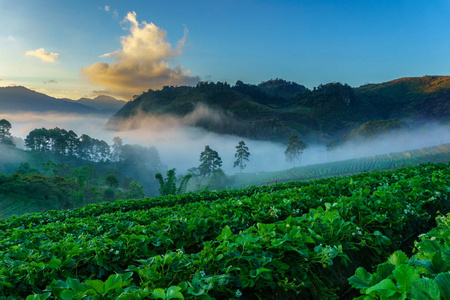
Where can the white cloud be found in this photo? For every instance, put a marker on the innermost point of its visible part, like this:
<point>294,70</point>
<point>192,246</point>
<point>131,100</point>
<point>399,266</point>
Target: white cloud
<point>142,62</point>
<point>115,13</point>
<point>106,8</point>
<point>10,38</point>
<point>43,55</point>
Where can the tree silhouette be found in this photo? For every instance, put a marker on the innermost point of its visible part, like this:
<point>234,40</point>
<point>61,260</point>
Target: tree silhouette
<point>209,162</point>
<point>242,155</point>
<point>5,135</point>
<point>294,149</point>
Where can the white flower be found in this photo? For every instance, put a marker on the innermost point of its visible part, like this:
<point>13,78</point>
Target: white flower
<point>117,252</point>
<point>202,273</point>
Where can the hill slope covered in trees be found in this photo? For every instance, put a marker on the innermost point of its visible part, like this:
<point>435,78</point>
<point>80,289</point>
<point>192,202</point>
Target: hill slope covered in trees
<point>277,109</point>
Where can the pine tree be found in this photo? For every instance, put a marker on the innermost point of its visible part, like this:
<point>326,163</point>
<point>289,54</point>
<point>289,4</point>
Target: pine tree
<point>5,135</point>
<point>209,162</point>
<point>242,154</point>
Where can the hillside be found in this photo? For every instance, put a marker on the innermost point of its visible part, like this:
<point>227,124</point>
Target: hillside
<point>20,99</point>
<point>276,109</point>
<point>384,162</point>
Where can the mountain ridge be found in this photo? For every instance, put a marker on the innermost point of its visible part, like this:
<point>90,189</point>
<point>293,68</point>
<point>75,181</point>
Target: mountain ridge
<point>276,109</point>
<point>15,99</point>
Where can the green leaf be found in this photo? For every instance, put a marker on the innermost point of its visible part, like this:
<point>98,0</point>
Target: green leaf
<point>424,289</point>
<point>55,263</point>
<point>67,294</point>
<point>405,275</point>
<point>226,233</point>
<point>97,285</point>
<point>385,288</point>
<point>38,297</point>
<point>438,263</point>
<point>361,280</point>
<point>398,258</point>
<point>75,284</point>
<point>158,294</point>
<point>113,282</point>
<point>173,292</point>
<point>443,282</point>
<point>384,270</point>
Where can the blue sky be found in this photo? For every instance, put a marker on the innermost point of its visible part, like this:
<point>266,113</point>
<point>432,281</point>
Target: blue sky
<point>85,48</point>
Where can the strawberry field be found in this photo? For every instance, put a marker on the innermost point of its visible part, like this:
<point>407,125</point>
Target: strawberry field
<point>335,238</point>
<point>391,161</point>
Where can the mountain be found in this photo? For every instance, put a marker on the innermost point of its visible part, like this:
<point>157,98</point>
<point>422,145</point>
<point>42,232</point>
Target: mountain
<point>276,109</point>
<point>103,104</point>
<point>20,99</point>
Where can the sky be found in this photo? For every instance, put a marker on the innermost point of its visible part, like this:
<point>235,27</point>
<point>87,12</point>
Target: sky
<point>85,48</point>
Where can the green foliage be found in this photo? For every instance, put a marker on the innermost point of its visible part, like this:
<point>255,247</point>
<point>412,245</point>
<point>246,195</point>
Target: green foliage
<point>168,186</point>
<point>209,162</point>
<point>242,155</point>
<point>112,180</point>
<point>285,241</point>
<point>372,129</point>
<point>423,276</point>
<point>5,135</point>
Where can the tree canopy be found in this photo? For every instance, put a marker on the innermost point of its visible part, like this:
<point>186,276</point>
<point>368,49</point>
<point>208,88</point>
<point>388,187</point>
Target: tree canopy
<point>242,155</point>
<point>295,149</point>
<point>5,135</point>
<point>209,162</point>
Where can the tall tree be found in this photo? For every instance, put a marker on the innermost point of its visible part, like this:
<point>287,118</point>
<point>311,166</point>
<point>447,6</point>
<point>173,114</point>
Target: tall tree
<point>116,153</point>
<point>294,149</point>
<point>209,161</point>
<point>242,155</point>
<point>5,135</point>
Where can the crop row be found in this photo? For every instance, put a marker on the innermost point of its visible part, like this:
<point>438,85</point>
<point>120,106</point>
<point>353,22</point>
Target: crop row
<point>280,243</point>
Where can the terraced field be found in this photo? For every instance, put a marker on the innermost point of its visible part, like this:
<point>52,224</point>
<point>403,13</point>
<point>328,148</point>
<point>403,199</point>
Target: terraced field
<point>9,207</point>
<point>384,162</point>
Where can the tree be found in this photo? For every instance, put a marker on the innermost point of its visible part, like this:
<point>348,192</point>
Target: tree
<point>241,155</point>
<point>168,186</point>
<point>112,180</point>
<point>5,135</point>
<point>209,161</point>
<point>294,149</point>
<point>116,149</point>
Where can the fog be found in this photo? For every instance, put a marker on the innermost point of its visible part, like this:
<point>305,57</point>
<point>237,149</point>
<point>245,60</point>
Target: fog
<point>180,144</point>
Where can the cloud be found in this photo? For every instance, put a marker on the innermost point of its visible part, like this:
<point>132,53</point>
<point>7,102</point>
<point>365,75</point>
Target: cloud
<point>142,62</point>
<point>106,8</point>
<point>10,38</point>
<point>44,56</point>
<point>115,13</point>
<point>50,81</point>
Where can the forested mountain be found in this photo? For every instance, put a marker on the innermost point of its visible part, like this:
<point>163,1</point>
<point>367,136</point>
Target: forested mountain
<point>20,99</point>
<point>276,109</point>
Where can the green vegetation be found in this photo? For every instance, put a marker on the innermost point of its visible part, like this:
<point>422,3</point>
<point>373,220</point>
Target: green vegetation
<point>299,240</point>
<point>390,161</point>
<point>425,275</point>
<point>5,135</point>
<point>168,186</point>
<point>277,109</point>
<point>210,162</point>
<point>59,187</point>
<point>242,155</point>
